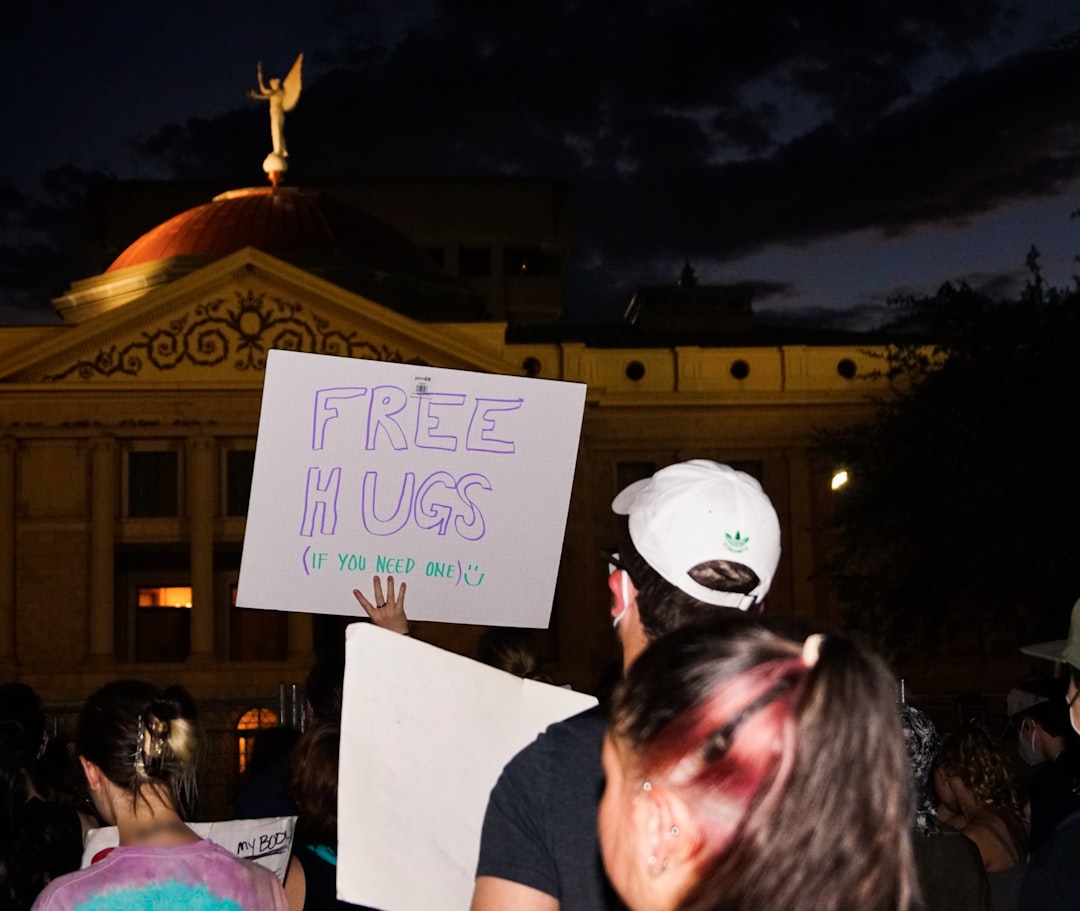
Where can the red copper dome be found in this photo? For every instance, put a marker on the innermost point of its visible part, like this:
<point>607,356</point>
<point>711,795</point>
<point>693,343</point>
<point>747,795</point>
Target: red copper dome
<point>284,222</point>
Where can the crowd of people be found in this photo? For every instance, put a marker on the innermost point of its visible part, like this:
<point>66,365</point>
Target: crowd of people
<point>743,761</point>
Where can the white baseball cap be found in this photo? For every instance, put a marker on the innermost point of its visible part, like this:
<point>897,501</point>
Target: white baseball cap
<point>1020,699</point>
<point>698,511</point>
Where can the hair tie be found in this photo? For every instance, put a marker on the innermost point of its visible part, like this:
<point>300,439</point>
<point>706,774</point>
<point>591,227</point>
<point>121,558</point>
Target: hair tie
<point>811,649</point>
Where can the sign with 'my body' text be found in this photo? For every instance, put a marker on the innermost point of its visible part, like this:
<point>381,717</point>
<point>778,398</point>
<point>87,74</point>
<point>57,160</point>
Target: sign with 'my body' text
<point>455,483</point>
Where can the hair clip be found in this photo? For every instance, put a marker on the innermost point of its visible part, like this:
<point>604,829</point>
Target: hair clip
<point>139,765</point>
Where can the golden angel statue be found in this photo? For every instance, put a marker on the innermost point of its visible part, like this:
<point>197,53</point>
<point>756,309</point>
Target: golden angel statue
<point>282,95</point>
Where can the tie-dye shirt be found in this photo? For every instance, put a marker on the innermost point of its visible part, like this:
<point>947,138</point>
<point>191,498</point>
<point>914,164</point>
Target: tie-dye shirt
<point>200,876</point>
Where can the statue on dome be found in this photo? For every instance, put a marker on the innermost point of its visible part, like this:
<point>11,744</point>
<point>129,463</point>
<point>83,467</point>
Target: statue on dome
<point>282,94</point>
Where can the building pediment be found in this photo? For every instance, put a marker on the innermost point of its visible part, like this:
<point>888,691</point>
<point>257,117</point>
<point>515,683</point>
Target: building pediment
<point>218,323</point>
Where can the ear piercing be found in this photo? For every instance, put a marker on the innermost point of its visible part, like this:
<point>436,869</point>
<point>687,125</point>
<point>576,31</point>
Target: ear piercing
<point>654,868</point>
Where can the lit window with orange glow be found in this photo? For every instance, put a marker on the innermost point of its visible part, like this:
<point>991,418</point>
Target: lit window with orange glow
<point>165,596</point>
<point>250,723</point>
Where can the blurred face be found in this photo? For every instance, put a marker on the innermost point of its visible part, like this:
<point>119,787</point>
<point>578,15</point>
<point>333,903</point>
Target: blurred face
<point>618,837</point>
<point>629,838</point>
<point>943,785</point>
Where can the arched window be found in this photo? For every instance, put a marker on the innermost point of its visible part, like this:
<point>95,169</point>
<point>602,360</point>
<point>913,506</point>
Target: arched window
<point>250,723</point>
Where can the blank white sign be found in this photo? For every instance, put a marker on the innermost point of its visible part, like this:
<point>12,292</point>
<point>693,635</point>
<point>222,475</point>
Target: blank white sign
<point>425,734</point>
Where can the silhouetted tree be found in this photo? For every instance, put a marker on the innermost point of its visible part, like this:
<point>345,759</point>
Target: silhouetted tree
<point>962,516</point>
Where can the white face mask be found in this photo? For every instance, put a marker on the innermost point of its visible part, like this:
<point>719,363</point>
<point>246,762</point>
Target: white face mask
<point>1030,753</point>
<point>625,597</point>
<point>1071,701</point>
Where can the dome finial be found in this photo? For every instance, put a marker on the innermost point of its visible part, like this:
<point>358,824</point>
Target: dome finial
<point>282,96</point>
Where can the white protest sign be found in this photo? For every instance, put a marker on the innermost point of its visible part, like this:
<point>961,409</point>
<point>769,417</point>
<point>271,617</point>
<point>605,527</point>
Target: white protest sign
<point>267,842</point>
<point>424,736</point>
<point>456,483</point>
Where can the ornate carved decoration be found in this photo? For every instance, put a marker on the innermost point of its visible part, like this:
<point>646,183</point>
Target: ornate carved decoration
<point>241,331</point>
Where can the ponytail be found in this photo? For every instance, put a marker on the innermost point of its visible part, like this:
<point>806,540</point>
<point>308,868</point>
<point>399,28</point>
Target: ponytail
<point>141,737</point>
<point>799,738</point>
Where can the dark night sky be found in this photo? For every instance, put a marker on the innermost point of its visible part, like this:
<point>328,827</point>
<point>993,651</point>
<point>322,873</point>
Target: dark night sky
<point>831,153</point>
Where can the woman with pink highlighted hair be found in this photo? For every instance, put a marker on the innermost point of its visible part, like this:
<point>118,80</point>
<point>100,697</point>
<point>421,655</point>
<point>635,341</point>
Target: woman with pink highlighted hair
<point>746,770</point>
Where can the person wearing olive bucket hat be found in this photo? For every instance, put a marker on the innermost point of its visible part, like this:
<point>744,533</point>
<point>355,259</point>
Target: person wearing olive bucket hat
<point>1053,878</point>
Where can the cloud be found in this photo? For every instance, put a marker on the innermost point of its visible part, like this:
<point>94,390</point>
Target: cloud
<point>998,285</point>
<point>688,128</point>
<point>863,317</point>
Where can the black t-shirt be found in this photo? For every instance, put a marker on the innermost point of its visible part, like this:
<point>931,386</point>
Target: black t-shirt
<point>540,826</point>
<point>1054,793</point>
<point>320,884</point>
<point>951,872</point>
<point>1053,877</point>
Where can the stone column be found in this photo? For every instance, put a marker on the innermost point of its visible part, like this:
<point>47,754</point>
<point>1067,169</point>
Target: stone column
<point>103,502</point>
<point>8,656</point>
<point>201,485</point>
